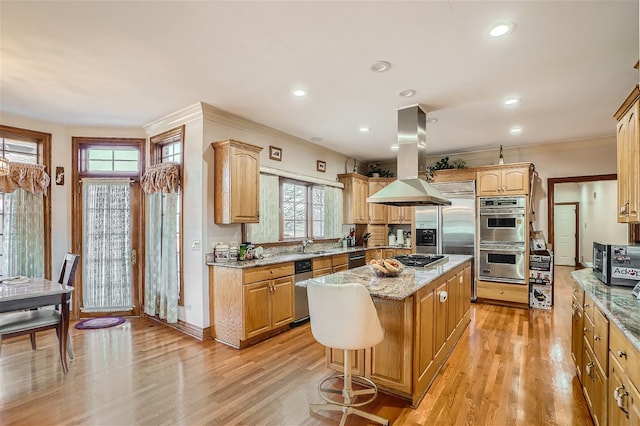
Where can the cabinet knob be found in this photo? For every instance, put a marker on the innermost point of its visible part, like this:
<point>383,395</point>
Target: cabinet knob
<point>622,354</point>
<point>586,305</point>
<point>586,330</point>
<point>596,337</point>
<point>501,292</point>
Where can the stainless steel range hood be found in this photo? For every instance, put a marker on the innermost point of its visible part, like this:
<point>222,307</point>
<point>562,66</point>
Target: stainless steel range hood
<point>408,189</point>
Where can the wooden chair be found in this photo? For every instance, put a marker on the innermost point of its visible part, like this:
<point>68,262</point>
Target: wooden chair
<point>30,322</point>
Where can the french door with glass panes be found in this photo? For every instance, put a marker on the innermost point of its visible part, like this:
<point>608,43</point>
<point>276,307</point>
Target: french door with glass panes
<point>107,223</point>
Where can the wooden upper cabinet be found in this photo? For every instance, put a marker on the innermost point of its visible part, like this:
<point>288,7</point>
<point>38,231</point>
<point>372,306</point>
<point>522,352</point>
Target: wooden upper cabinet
<point>628,142</point>
<point>354,196</point>
<point>503,180</point>
<point>377,212</point>
<point>236,182</point>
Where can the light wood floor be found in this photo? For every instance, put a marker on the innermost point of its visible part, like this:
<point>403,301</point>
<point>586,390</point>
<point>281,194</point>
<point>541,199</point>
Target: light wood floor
<point>511,367</point>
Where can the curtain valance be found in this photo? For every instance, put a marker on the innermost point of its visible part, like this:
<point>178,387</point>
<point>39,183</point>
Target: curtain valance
<point>163,177</point>
<point>30,177</point>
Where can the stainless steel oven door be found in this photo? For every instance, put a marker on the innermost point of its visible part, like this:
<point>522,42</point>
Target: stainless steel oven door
<point>509,227</point>
<point>502,264</point>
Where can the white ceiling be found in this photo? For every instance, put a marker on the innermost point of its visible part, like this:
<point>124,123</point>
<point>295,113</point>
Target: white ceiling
<point>130,63</point>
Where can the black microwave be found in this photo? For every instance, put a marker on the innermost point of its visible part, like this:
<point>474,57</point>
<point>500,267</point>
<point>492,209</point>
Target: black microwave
<point>617,265</point>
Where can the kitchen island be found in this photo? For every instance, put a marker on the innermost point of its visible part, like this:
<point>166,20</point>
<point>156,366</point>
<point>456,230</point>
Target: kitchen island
<point>423,312</point>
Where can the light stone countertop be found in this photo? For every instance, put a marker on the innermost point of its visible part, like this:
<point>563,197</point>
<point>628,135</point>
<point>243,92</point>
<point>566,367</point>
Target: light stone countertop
<point>617,303</point>
<point>292,257</point>
<point>404,285</point>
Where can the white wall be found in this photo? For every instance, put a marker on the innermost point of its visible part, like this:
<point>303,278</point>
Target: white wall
<point>597,214</point>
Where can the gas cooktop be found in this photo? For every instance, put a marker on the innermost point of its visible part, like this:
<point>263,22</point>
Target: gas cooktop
<point>419,260</point>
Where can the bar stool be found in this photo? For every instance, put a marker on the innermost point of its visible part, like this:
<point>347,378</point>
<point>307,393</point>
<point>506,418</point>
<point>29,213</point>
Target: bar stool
<point>344,317</point>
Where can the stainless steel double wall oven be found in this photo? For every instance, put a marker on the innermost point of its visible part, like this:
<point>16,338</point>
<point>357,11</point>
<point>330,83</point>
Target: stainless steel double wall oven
<point>502,239</point>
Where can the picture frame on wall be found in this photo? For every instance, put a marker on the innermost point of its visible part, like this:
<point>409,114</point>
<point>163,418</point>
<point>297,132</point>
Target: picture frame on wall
<point>321,166</point>
<point>275,153</point>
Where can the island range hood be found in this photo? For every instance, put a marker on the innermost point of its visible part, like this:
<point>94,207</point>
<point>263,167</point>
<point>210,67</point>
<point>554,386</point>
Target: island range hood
<point>409,189</point>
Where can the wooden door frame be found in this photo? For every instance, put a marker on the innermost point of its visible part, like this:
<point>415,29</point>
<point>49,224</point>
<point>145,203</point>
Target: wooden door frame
<point>576,263</point>
<point>551,182</point>
<point>137,216</point>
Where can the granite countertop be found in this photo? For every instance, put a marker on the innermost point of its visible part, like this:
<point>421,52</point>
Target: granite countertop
<point>292,257</point>
<point>404,285</point>
<point>618,304</point>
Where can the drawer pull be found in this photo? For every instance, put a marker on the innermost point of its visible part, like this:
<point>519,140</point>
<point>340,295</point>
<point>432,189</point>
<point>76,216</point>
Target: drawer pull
<point>596,337</point>
<point>501,292</point>
<point>586,330</point>
<point>586,305</point>
<point>622,354</point>
<point>619,393</point>
<point>589,368</point>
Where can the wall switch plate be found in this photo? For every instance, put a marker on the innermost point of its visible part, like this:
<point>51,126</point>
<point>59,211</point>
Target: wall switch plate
<point>195,246</point>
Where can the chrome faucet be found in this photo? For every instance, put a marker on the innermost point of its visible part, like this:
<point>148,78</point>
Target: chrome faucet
<point>305,243</point>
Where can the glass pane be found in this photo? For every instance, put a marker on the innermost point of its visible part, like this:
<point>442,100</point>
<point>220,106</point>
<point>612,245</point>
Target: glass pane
<point>125,166</point>
<point>300,212</point>
<point>125,155</point>
<point>288,211</point>
<point>100,154</point>
<point>21,158</point>
<point>318,196</point>
<point>101,166</point>
<point>22,147</point>
<point>301,194</point>
<point>301,230</point>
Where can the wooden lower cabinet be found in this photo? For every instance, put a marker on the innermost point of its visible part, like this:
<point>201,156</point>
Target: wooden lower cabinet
<point>335,360</point>
<point>577,322</point>
<point>503,292</point>
<point>416,340</point>
<point>594,386</point>
<point>248,305</point>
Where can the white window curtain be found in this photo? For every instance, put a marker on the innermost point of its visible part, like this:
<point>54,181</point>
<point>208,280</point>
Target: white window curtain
<point>23,236</point>
<point>162,279</point>
<point>106,265</point>
<point>268,230</point>
<point>333,212</point>
<point>23,224</point>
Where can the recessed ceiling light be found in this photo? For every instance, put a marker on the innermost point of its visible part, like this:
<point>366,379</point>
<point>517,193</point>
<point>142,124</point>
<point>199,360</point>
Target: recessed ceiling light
<point>407,93</point>
<point>515,130</point>
<point>432,120</point>
<point>511,101</point>
<point>500,30</point>
<point>364,129</point>
<point>299,93</point>
<point>395,147</point>
<point>380,66</point>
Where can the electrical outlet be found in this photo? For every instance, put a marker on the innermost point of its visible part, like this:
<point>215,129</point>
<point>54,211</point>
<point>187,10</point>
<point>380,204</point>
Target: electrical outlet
<point>195,246</point>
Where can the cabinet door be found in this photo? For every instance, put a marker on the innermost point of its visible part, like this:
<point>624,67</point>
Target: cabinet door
<point>623,182</point>
<point>576,337</point>
<point>361,193</point>
<point>335,360</point>
<point>340,268</point>
<point>440,328</point>
<point>245,174</point>
<point>601,338</point>
<point>634,406</point>
<point>618,409</point>
<point>515,181</point>
<point>600,395</point>
<point>452,301</point>
<point>394,214</point>
<point>423,352</point>
<point>468,283</point>
<point>377,212</point>
<point>633,165</point>
<point>282,303</point>
<point>387,253</point>
<point>257,308</point>
<point>489,182</point>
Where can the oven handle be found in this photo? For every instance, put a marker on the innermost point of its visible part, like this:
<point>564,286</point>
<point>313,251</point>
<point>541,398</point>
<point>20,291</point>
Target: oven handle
<point>504,249</point>
<point>501,213</point>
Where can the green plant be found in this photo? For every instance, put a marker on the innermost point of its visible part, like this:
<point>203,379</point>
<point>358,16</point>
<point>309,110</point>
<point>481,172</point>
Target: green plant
<point>443,164</point>
<point>375,168</point>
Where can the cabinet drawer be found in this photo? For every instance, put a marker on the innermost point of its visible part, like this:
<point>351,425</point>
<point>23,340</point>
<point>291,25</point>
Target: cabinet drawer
<point>506,292</point>
<point>340,268</point>
<point>322,262</point>
<point>578,294</point>
<point>321,272</point>
<point>339,259</point>
<point>260,273</point>
<point>588,306</point>
<point>625,353</point>
<point>601,338</point>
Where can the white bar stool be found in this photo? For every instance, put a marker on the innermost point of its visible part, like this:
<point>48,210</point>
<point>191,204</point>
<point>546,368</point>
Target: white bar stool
<point>344,317</point>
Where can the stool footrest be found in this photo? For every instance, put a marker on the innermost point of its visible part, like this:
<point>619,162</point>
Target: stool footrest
<point>370,389</point>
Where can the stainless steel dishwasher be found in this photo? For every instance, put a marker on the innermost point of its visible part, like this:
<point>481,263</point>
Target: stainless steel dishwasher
<point>303,271</point>
<point>357,258</point>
